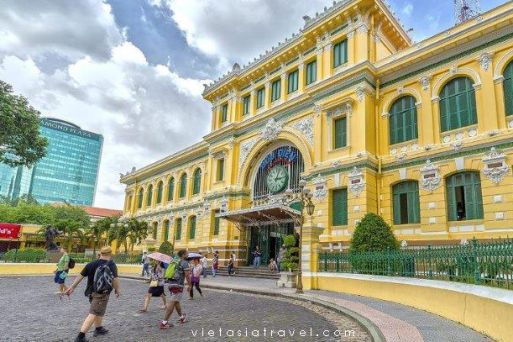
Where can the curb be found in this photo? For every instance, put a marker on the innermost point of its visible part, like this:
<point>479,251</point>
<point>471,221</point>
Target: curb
<point>369,326</point>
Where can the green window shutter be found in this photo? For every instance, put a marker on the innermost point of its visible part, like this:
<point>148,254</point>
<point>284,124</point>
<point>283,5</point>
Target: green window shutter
<point>339,207</point>
<point>473,198</point>
<point>245,105</point>
<point>171,189</point>
<point>192,228</point>
<point>410,189</point>
<point>149,196</point>
<point>275,90</point>
<point>260,97</point>
<point>140,199</point>
<point>217,223</point>
<point>178,232</point>
<point>166,230</point>
<point>311,72</point>
<point>220,169</point>
<point>340,133</point>
<point>159,192</point>
<point>403,120</point>
<point>293,81</point>
<point>340,53</point>
<point>197,182</point>
<point>183,186</point>
<point>451,198</point>
<point>508,89</point>
<point>154,231</point>
<point>224,112</point>
<point>457,104</point>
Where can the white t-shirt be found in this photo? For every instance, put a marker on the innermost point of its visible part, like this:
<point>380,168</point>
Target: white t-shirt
<point>204,262</point>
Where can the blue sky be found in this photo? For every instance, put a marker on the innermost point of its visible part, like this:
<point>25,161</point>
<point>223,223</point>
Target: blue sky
<point>133,70</point>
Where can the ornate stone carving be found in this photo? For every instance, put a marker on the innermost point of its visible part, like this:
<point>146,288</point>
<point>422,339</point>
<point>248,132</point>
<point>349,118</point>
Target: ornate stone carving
<point>317,109</point>
<point>424,82</point>
<point>360,93</point>
<point>495,165</point>
<point>485,60</point>
<point>356,182</point>
<point>430,176</point>
<point>453,70</point>
<point>321,188</point>
<point>245,148</point>
<point>271,130</point>
<point>224,205</point>
<point>305,126</point>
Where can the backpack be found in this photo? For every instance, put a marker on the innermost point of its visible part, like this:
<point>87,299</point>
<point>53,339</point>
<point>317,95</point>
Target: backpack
<point>171,270</point>
<point>71,263</point>
<point>103,277</point>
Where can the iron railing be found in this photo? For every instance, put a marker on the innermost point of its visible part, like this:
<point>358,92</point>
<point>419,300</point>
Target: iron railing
<point>40,256</point>
<point>481,263</point>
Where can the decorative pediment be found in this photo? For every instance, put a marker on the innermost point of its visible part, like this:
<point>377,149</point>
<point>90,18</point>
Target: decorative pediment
<point>495,165</point>
<point>430,176</point>
<point>245,148</point>
<point>320,187</point>
<point>356,182</point>
<point>271,130</point>
<point>305,126</point>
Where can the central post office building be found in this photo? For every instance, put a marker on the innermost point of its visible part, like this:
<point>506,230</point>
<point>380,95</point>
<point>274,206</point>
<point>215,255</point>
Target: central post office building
<point>420,133</point>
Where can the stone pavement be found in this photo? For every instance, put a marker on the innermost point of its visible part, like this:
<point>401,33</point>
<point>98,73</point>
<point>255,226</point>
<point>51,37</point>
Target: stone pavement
<point>32,312</point>
<point>395,321</point>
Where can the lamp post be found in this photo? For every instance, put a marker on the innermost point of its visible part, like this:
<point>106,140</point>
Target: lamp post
<point>306,202</point>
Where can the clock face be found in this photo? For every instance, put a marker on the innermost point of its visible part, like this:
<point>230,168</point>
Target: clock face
<point>277,179</point>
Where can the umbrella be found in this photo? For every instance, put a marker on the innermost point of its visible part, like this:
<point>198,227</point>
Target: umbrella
<point>160,257</point>
<point>194,256</point>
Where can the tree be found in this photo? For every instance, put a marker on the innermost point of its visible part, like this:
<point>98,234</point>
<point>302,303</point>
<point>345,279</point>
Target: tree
<point>20,138</point>
<point>166,248</point>
<point>373,234</point>
<point>72,221</point>
<point>290,259</point>
<point>98,229</point>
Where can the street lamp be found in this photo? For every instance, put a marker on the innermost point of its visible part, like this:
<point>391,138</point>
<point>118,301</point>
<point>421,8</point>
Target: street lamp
<point>306,202</point>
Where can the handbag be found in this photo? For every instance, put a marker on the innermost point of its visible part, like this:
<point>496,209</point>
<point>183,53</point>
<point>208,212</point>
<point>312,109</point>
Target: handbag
<point>63,275</point>
<point>154,283</point>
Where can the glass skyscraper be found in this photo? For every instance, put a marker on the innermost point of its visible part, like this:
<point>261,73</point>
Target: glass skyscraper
<point>68,172</point>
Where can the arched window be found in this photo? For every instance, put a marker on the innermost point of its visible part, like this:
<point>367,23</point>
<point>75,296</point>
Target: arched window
<point>140,196</point>
<point>192,227</point>
<point>196,187</point>
<point>178,229</point>
<point>155,226</point>
<point>403,120</point>
<point>464,198</point>
<point>170,189</point>
<point>508,88</point>
<point>183,185</point>
<point>149,195</point>
<point>405,197</point>
<point>457,104</point>
<point>166,230</point>
<point>160,188</point>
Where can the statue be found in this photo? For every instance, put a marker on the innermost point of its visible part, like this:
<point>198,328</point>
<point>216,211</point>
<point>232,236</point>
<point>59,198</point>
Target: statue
<point>50,234</point>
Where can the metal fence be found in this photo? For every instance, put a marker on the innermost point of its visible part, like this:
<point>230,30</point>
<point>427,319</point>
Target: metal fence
<point>40,256</point>
<point>488,263</point>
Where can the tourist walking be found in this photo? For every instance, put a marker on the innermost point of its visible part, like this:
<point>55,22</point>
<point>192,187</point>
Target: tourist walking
<point>156,288</point>
<point>231,264</point>
<point>281,256</point>
<point>176,285</point>
<point>272,266</point>
<point>204,265</point>
<point>256,257</point>
<point>197,269</point>
<point>215,263</point>
<point>102,278</point>
<point>61,273</point>
<point>146,265</point>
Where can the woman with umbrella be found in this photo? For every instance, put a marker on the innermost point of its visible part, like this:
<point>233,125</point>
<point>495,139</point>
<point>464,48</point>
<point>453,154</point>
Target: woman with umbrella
<point>156,288</point>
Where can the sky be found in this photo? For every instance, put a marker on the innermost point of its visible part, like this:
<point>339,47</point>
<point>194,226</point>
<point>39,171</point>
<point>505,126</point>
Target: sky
<point>133,70</point>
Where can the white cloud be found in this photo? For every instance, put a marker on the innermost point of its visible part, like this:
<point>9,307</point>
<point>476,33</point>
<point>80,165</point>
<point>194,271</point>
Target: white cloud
<point>143,111</point>
<point>407,9</point>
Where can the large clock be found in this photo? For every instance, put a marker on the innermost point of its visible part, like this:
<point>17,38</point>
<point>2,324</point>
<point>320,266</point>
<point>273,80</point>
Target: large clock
<point>277,179</point>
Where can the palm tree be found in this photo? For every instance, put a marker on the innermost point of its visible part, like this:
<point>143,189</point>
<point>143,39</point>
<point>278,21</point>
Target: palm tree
<point>97,230</point>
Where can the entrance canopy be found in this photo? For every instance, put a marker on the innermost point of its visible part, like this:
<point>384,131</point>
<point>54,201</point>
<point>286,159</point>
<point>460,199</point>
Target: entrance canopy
<point>262,215</point>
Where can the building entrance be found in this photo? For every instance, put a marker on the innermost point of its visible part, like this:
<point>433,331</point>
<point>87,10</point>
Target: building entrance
<point>269,238</point>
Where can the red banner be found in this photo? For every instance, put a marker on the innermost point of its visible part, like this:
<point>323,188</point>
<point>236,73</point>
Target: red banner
<point>9,231</point>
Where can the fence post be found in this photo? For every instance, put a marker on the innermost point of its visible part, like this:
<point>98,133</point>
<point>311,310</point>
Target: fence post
<point>430,267</point>
<point>477,273</point>
<point>388,261</point>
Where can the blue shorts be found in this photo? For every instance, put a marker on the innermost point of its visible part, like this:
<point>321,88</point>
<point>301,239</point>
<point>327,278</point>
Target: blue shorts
<point>60,279</point>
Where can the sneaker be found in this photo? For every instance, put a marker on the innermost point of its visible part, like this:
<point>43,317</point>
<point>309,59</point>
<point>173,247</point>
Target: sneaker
<point>182,319</point>
<point>166,325</point>
<point>81,339</point>
<point>100,331</point>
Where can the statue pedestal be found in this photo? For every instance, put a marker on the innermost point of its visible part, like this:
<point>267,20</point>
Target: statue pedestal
<point>53,256</point>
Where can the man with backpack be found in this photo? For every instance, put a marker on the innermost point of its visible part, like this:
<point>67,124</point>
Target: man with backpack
<point>176,273</point>
<point>102,278</point>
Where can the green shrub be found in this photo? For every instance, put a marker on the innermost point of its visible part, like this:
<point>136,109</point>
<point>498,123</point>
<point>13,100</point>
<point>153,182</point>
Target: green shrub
<point>373,234</point>
<point>25,255</point>
<point>290,259</point>
<point>166,248</point>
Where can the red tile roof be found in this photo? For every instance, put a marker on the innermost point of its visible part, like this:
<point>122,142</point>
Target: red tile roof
<point>102,212</point>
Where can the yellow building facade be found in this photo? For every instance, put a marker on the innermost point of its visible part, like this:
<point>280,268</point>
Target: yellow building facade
<point>419,133</point>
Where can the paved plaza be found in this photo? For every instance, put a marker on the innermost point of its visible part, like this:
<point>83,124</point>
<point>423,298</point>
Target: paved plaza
<point>32,312</point>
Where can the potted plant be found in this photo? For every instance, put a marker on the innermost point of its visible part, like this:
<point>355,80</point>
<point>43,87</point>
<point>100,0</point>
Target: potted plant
<point>289,264</point>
